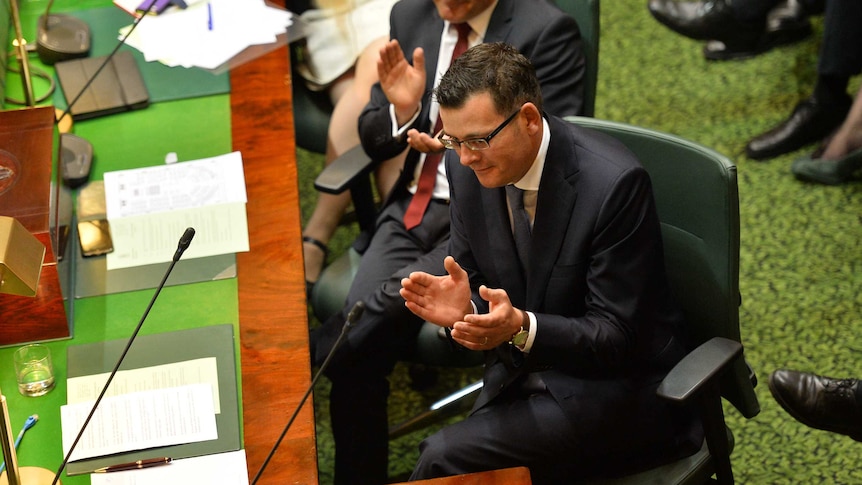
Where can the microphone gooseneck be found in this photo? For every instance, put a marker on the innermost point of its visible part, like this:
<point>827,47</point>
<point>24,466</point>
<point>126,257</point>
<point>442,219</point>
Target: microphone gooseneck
<point>47,13</point>
<point>185,240</point>
<point>352,317</point>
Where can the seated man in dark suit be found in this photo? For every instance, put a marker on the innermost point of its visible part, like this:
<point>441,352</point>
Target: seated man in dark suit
<point>564,287</point>
<point>412,230</point>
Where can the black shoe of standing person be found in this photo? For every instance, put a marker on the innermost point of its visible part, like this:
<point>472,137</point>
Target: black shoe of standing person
<point>819,402</point>
<point>707,20</point>
<point>810,122</point>
<point>786,23</point>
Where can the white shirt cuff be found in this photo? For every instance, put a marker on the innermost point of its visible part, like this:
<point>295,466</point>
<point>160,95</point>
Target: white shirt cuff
<point>399,130</point>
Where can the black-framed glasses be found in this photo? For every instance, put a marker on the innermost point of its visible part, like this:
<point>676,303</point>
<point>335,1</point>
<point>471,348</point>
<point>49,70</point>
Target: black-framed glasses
<point>475,143</point>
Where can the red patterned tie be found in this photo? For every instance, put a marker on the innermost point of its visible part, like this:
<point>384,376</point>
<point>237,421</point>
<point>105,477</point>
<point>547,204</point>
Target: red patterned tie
<point>428,176</point>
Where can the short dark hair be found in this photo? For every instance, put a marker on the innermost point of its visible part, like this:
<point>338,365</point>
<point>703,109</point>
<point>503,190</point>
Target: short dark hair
<point>496,68</point>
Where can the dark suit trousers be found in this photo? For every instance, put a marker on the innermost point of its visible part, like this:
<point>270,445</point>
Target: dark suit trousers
<point>385,332</point>
<point>841,50</point>
<point>525,426</point>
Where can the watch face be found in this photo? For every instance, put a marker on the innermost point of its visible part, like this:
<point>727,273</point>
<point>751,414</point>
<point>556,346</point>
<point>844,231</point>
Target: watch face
<point>520,338</point>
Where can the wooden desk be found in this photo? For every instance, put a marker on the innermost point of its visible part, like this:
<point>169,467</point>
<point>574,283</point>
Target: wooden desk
<point>506,476</point>
<point>273,328</point>
<point>273,317</point>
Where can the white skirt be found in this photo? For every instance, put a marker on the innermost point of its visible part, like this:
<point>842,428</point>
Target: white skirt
<point>336,37</point>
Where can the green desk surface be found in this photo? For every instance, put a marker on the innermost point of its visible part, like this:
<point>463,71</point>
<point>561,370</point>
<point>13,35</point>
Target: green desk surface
<point>193,128</point>
<point>106,318</point>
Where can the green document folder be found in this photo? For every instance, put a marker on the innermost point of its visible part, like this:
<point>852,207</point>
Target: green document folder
<point>165,348</point>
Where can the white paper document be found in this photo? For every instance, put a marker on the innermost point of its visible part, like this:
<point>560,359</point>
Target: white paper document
<point>196,371</point>
<point>220,469</point>
<point>208,33</point>
<point>149,209</point>
<point>140,420</point>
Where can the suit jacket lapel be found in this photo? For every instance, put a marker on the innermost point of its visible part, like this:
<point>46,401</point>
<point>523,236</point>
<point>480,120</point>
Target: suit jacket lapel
<point>501,22</point>
<point>430,42</point>
<point>556,199</point>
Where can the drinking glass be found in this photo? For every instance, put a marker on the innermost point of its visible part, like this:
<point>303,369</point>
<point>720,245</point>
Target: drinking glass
<point>34,370</point>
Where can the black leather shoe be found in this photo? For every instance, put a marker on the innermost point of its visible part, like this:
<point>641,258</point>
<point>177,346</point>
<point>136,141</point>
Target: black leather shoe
<point>819,402</point>
<point>706,20</point>
<point>811,121</point>
<point>786,23</point>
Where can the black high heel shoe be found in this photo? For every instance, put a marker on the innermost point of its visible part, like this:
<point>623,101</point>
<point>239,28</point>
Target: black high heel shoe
<point>309,285</point>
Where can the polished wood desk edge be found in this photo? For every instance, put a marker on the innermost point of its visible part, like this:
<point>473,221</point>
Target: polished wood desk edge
<point>273,318</point>
<point>507,476</point>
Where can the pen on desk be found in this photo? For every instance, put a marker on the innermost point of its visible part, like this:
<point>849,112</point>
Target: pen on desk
<point>135,465</point>
<point>209,16</point>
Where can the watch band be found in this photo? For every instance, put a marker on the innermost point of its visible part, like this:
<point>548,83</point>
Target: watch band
<point>519,339</point>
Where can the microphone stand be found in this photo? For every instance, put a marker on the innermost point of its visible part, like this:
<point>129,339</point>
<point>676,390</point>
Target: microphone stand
<point>185,240</point>
<point>21,55</point>
<point>352,317</point>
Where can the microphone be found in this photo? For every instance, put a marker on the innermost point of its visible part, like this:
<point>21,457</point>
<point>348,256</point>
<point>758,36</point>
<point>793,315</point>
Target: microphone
<point>352,317</point>
<point>184,242</point>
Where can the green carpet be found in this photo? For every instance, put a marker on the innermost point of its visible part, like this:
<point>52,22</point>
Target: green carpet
<point>801,257</point>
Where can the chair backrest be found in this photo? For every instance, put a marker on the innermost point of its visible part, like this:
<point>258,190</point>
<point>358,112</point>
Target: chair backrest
<point>698,203</point>
<point>586,13</point>
<point>311,109</point>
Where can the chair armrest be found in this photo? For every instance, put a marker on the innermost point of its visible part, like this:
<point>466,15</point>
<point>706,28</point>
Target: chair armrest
<point>344,171</point>
<point>700,367</point>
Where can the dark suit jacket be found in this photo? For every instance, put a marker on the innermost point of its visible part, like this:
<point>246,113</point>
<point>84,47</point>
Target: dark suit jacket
<point>540,31</point>
<point>607,328</point>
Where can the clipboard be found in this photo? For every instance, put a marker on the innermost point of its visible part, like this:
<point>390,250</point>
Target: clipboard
<point>165,348</point>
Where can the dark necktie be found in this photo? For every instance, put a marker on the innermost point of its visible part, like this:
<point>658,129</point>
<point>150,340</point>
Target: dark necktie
<point>521,223</point>
<point>428,175</point>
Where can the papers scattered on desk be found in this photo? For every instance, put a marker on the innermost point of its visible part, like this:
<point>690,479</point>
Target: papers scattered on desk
<point>149,208</point>
<point>196,371</point>
<point>207,34</point>
<point>222,469</point>
<point>140,420</point>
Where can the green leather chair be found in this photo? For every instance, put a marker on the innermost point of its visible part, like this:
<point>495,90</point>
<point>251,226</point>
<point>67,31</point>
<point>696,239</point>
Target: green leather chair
<point>352,171</point>
<point>698,204</point>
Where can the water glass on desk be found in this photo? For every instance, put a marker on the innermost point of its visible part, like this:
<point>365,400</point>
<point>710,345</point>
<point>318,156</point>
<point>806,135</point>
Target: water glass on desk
<point>34,370</point>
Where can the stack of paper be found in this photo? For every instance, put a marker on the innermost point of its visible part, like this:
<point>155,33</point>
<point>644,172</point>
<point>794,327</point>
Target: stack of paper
<point>208,33</point>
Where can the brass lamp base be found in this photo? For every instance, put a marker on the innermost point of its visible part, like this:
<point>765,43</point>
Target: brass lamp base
<point>30,475</point>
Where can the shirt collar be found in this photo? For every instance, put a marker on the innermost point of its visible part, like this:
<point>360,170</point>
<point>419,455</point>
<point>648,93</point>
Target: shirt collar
<point>530,180</point>
<point>479,23</point>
